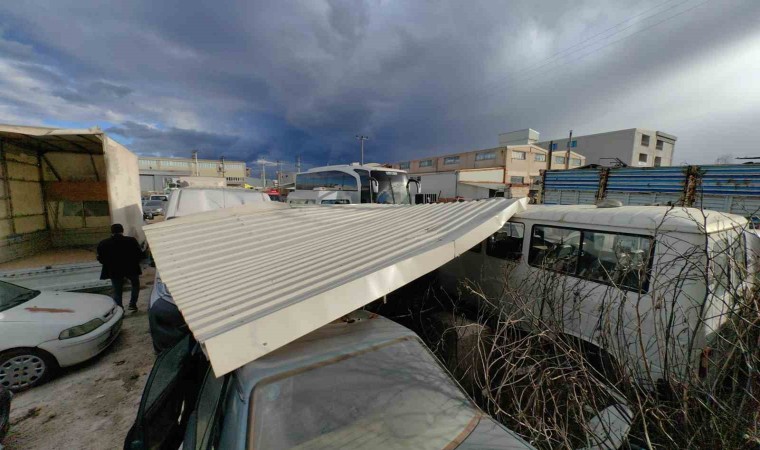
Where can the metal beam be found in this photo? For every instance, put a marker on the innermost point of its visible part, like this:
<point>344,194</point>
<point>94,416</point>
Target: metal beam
<point>7,184</point>
<point>52,169</point>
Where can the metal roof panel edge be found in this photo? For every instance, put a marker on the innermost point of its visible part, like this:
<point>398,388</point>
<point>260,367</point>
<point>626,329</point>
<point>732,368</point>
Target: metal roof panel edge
<point>244,329</point>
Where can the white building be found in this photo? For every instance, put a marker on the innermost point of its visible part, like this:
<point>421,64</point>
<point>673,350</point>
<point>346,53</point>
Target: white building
<point>636,147</point>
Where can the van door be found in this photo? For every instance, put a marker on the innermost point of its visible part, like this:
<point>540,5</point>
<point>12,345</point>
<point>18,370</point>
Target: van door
<point>613,293</point>
<point>545,279</point>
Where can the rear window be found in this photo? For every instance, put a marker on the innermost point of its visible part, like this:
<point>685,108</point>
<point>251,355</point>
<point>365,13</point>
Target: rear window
<point>395,396</point>
<point>154,203</point>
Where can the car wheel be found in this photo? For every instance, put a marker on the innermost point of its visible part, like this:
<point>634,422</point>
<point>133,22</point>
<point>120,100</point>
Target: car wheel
<point>25,368</point>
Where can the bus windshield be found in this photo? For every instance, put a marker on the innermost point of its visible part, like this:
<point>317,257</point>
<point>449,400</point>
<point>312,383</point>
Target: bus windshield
<point>392,187</point>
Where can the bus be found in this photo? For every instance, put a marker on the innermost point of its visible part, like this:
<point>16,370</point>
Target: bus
<point>353,183</point>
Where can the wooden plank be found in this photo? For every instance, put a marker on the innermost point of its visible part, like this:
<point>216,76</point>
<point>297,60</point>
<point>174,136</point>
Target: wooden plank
<point>76,190</point>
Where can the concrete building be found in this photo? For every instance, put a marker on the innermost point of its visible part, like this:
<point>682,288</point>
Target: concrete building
<point>155,171</point>
<point>488,172</point>
<point>636,147</point>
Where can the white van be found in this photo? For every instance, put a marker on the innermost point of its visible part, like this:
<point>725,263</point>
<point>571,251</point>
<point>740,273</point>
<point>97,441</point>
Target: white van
<point>650,285</point>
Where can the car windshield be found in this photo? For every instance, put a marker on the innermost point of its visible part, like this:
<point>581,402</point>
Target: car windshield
<point>394,396</point>
<point>12,295</point>
<point>158,203</point>
<point>392,187</point>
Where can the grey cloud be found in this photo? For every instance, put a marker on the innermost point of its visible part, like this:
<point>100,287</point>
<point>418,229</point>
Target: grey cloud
<point>420,77</point>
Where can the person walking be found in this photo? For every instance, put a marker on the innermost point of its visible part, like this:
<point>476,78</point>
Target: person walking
<point>120,256</point>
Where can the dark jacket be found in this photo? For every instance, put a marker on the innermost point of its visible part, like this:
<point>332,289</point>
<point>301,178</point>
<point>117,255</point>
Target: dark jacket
<point>120,256</point>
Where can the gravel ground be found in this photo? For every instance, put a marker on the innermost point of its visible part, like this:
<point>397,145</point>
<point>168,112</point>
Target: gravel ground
<point>92,405</point>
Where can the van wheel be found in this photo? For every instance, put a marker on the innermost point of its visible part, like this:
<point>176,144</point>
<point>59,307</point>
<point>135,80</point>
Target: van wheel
<point>24,368</point>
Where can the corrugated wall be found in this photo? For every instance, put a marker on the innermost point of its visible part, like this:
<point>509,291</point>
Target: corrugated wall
<point>731,188</point>
<point>571,187</point>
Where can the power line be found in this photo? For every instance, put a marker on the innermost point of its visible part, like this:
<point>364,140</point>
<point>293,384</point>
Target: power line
<point>533,78</point>
<point>528,72</point>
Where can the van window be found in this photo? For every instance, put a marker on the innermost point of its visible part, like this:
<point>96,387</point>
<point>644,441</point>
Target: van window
<point>507,242</point>
<point>555,248</point>
<point>609,258</point>
<point>617,259</point>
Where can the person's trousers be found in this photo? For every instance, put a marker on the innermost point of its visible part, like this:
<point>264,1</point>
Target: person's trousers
<point>118,289</point>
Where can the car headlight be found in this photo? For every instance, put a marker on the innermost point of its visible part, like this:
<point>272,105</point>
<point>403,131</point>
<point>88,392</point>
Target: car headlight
<point>81,329</point>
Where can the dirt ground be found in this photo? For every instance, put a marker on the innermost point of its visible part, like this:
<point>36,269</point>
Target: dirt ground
<point>51,257</point>
<point>92,405</point>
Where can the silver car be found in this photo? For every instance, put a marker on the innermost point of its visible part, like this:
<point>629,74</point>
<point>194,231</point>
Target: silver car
<point>153,208</point>
<point>368,383</point>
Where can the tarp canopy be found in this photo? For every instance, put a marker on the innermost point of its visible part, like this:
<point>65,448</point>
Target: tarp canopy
<point>251,279</point>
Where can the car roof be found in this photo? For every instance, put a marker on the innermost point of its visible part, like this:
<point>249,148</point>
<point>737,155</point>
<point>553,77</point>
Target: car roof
<point>662,218</point>
<point>331,341</point>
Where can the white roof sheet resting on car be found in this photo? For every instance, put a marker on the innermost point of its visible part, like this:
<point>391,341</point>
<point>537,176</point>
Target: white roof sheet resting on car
<point>251,279</point>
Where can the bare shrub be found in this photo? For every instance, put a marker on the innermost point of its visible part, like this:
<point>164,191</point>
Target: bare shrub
<point>675,355</point>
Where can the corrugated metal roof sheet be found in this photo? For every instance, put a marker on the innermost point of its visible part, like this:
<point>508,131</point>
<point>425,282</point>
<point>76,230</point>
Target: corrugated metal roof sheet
<point>249,280</point>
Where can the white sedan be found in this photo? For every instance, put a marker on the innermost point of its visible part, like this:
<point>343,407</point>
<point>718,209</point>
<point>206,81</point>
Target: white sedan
<point>41,331</point>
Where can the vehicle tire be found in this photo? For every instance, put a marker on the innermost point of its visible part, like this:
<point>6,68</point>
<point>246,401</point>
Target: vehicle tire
<point>24,368</point>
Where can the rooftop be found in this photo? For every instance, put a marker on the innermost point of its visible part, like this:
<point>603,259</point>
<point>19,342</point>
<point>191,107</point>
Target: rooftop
<point>663,218</point>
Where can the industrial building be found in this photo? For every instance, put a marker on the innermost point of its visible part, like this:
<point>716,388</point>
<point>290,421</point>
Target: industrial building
<point>636,147</point>
<point>156,172</point>
<point>508,170</point>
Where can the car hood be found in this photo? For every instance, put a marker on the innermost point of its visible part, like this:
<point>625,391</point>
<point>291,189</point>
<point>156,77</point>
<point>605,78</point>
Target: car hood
<point>59,307</point>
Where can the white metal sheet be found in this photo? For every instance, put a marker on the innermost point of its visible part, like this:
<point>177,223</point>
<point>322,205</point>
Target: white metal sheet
<point>251,279</point>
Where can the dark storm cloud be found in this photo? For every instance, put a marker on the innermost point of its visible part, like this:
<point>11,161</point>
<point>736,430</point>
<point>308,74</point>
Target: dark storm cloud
<point>276,79</point>
<point>173,140</point>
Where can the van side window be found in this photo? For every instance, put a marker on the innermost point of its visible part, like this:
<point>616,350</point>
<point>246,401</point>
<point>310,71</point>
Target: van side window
<point>507,242</point>
<point>609,258</point>
<point>617,259</point>
<point>555,248</point>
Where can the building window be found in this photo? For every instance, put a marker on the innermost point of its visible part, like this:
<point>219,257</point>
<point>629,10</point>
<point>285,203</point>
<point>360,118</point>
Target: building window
<point>643,158</point>
<point>575,161</point>
<point>517,180</point>
<point>426,163</point>
<point>659,144</point>
<point>485,156</point>
<point>657,161</point>
<point>554,146</point>
<point>573,144</point>
<point>450,160</point>
<point>645,140</point>
<point>404,165</point>
<point>559,159</point>
<point>518,155</point>
<point>540,157</point>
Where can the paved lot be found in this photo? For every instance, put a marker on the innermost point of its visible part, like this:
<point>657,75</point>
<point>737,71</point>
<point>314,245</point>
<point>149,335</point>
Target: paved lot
<point>92,405</point>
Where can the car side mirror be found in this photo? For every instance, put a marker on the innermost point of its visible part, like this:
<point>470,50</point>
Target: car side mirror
<point>375,186</point>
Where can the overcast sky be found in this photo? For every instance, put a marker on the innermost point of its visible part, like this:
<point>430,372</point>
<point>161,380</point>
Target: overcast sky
<point>274,79</point>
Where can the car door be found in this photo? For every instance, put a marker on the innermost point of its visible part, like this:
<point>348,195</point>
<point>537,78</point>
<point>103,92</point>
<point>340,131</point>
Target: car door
<point>170,391</point>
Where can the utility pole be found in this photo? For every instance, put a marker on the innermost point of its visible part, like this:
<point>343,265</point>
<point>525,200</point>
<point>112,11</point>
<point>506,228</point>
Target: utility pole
<point>298,164</point>
<point>551,155</point>
<point>263,174</point>
<point>195,159</point>
<point>221,169</point>
<point>362,139</point>
<point>567,158</point>
<point>279,173</point>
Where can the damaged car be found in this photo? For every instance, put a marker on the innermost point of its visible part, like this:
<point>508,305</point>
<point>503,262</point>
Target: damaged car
<point>362,379</point>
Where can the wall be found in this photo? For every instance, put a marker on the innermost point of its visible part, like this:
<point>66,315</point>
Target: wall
<point>615,144</point>
<point>22,214</point>
<point>442,184</point>
<point>234,171</point>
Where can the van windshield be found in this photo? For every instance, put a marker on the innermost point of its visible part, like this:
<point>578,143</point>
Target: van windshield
<point>392,187</point>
